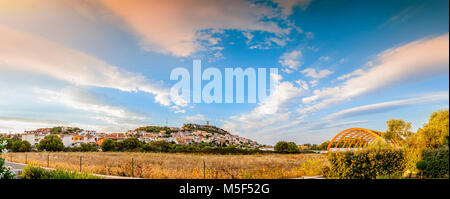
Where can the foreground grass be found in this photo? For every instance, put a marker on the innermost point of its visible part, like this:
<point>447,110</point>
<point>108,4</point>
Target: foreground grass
<point>36,172</point>
<point>181,166</point>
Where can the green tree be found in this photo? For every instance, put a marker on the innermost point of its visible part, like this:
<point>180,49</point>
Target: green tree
<point>20,146</point>
<point>292,148</point>
<point>88,147</point>
<point>435,133</point>
<point>129,144</point>
<point>51,143</point>
<point>56,130</point>
<point>160,146</point>
<point>108,145</point>
<point>397,129</point>
<point>324,145</point>
<point>281,147</point>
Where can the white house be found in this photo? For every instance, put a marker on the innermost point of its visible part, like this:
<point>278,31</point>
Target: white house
<point>33,139</point>
<point>67,140</point>
<point>89,132</point>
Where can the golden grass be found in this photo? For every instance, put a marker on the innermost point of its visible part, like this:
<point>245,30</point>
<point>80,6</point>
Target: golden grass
<point>181,166</point>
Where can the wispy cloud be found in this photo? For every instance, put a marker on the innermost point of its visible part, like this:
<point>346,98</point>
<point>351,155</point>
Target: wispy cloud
<point>160,29</point>
<point>33,54</point>
<point>404,15</point>
<point>80,99</point>
<point>288,5</point>
<point>196,118</point>
<point>357,72</point>
<point>311,72</point>
<point>417,60</point>
<point>388,106</point>
<point>272,110</point>
<point>17,124</point>
<point>291,60</point>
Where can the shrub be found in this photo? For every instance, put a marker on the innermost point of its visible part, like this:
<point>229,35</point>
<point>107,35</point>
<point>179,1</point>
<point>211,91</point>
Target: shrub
<point>412,156</point>
<point>365,164</point>
<point>292,148</point>
<point>5,172</point>
<point>421,165</point>
<point>51,143</point>
<point>84,147</point>
<point>20,146</point>
<point>286,147</point>
<point>34,172</point>
<point>129,144</point>
<point>108,145</point>
<point>437,162</point>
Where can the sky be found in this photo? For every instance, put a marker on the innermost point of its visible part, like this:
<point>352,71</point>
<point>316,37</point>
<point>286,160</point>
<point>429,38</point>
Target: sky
<point>105,65</point>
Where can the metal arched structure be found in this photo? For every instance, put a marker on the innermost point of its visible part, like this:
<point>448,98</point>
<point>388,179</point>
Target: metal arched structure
<point>356,138</point>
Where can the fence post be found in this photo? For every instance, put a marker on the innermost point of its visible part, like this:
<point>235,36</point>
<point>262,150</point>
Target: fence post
<point>204,169</point>
<point>48,160</point>
<point>10,157</point>
<point>132,167</point>
<point>80,163</point>
<point>26,158</point>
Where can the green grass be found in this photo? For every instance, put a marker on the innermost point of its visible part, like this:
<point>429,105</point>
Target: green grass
<point>35,172</point>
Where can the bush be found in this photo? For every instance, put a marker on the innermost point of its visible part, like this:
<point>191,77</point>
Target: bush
<point>286,147</point>
<point>292,148</point>
<point>129,144</point>
<point>84,147</point>
<point>5,172</point>
<point>20,146</point>
<point>412,156</point>
<point>51,143</point>
<point>108,145</point>
<point>34,172</point>
<point>281,147</point>
<point>365,164</point>
<point>437,162</point>
<point>421,166</point>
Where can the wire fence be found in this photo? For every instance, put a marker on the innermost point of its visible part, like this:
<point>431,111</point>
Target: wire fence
<point>176,166</point>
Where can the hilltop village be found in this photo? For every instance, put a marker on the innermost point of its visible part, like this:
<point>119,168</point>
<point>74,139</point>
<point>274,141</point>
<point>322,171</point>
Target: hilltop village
<point>186,135</point>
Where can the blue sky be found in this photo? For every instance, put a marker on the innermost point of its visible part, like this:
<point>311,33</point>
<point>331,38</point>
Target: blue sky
<point>105,65</point>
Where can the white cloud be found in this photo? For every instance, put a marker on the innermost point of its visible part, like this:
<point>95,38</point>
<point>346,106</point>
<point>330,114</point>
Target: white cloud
<point>320,125</point>
<point>324,58</point>
<point>310,35</point>
<point>24,52</point>
<point>271,111</point>
<point>313,83</point>
<point>357,72</point>
<point>387,106</point>
<point>18,125</point>
<point>77,98</point>
<point>249,37</point>
<point>278,41</point>
<point>414,61</point>
<point>403,15</point>
<point>291,60</point>
<point>197,117</point>
<point>173,27</point>
<point>311,72</point>
<point>302,84</point>
<point>288,5</point>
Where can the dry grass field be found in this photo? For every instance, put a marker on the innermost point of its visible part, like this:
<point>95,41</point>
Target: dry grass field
<point>180,166</point>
